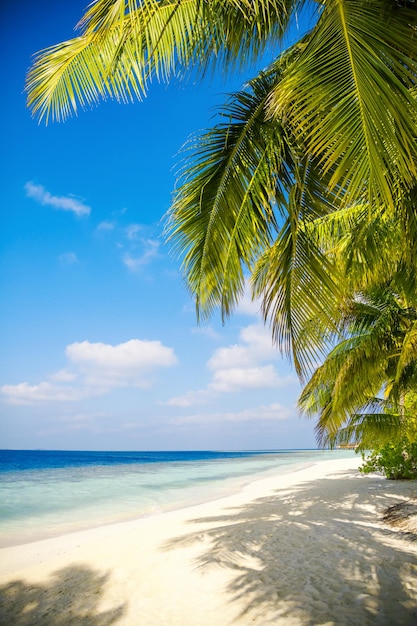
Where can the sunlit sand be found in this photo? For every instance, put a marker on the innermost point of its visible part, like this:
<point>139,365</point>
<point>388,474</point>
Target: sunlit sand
<point>305,548</point>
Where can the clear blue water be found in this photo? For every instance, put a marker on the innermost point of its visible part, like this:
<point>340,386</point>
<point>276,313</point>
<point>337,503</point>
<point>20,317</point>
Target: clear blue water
<point>48,493</point>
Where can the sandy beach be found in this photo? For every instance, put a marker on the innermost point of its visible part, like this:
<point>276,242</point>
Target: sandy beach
<point>305,548</point>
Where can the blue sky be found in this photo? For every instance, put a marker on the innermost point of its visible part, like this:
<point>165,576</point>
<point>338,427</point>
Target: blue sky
<point>100,345</point>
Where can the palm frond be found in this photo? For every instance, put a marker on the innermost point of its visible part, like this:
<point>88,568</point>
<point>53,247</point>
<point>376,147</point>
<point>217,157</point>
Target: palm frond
<point>350,98</point>
<point>378,353</point>
<point>407,361</point>
<point>224,211</point>
<point>299,290</point>
<point>366,430</point>
<point>124,43</point>
<point>371,244</point>
<point>342,384</point>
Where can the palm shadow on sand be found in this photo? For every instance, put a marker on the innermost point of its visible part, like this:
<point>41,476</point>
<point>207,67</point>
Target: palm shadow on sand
<point>293,559</point>
<point>70,598</point>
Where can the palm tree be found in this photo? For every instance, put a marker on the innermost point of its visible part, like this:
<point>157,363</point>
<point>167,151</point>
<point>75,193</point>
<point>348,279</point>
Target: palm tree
<point>377,354</point>
<point>329,127</point>
<point>362,391</point>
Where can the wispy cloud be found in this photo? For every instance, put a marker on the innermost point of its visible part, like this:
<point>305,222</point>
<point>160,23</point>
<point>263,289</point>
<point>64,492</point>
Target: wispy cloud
<point>272,412</point>
<point>132,231</point>
<point>63,203</point>
<point>43,393</point>
<point>63,376</point>
<point>94,422</point>
<point>136,261</point>
<point>68,258</point>
<point>191,398</point>
<point>95,369</point>
<point>106,226</point>
<point>205,330</point>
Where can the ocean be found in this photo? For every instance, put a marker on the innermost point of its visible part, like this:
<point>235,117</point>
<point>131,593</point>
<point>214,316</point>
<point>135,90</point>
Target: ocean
<point>46,493</point>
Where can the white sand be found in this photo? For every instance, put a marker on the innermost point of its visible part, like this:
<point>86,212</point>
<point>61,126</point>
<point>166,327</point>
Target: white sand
<point>307,548</point>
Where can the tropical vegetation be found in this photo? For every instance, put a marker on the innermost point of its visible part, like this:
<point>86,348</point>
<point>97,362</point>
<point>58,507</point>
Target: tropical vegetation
<point>307,184</point>
<point>397,460</point>
<point>362,391</point>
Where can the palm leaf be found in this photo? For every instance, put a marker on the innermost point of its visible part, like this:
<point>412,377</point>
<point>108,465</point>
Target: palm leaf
<point>297,277</point>
<point>378,352</point>
<point>375,427</point>
<point>124,43</point>
<point>299,291</point>
<point>406,366</point>
<point>343,384</point>
<point>350,98</point>
<point>224,212</point>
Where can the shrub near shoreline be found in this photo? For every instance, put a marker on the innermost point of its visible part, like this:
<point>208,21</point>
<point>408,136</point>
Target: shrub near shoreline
<point>395,460</point>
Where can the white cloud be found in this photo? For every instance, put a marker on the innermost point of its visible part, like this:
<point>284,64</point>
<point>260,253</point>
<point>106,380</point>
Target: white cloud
<point>259,338</point>
<point>239,379</point>
<point>248,365</point>
<point>97,368</point>
<point>63,376</point>
<point>134,263</point>
<point>68,258</point>
<point>256,346</point>
<point>248,306</point>
<point>272,412</point>
<point>123,364</point>
<point>231,356</point>
<point>191,398</point>
<point>44,392</point>
<point>64,203</point>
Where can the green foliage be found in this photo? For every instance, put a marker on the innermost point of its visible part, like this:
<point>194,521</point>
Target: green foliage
<point>376,353</point>
<point>395,460</point>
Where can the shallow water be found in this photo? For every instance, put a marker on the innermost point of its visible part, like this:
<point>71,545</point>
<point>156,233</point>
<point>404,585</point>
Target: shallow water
<point>45,494</point>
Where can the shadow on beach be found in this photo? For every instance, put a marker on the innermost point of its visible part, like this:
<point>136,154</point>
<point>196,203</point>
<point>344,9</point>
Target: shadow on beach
<point>314,553</point>
<point>71,598</point>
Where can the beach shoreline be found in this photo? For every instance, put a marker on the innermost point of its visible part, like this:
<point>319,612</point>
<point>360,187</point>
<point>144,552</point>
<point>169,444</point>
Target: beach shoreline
<point>46,505</point>
<point>305,547</point>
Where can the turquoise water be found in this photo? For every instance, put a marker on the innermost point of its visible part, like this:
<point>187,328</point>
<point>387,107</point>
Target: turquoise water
<point>44,494</point>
